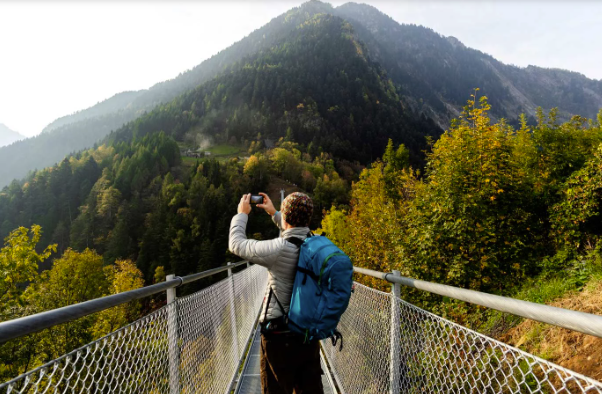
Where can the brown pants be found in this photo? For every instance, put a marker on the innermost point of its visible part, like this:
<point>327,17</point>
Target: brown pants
<point>289,366</point>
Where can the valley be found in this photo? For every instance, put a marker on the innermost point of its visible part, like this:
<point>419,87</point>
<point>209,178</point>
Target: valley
<point>421,155</point>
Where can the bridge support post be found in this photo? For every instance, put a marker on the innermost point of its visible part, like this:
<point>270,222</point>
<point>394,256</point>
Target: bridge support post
<point>172,340</point>
<point>233,315</point>
<point>395,367</point>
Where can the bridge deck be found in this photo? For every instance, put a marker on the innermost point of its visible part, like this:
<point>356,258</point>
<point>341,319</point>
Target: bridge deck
<point>250,381</point>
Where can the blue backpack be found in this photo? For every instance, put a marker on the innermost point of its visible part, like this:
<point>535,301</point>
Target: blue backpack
<point>321,290</point>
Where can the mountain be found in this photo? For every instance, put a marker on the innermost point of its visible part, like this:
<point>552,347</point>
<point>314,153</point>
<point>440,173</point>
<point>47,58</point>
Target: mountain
<point>433,75</point>
<point>120,102</point>
<point>8,136</point>
<point>436,74</point>
<point>317,82</point>
<point>84,128</point>
<point>325,103</point>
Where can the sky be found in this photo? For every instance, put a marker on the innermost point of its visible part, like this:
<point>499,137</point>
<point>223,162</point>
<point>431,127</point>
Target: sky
<point>60,57</point>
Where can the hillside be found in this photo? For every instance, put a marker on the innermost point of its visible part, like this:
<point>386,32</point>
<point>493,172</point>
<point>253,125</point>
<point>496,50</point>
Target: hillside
<point>120,102</point>
<point>325,109</point>
<point>432,74</point>
<point>324,103</point>
<point>8,136</point>
<point>83,129</point>
<point>435,73</point>
<point>316,88</point>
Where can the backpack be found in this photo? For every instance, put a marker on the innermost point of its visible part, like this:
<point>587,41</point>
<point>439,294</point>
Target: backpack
<point>321,290</point>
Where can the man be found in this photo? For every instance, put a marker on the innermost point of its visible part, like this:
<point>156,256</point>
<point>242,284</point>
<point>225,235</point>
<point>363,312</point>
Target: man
<point>288,364</point>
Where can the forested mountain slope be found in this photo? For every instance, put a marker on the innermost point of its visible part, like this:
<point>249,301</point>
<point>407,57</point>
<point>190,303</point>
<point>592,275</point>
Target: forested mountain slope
<point>317,88</point>
<point>494,205</point>
<point>84,128</point>
<point>132,198</point>
<point>435,73</point>
<point>8,136</point>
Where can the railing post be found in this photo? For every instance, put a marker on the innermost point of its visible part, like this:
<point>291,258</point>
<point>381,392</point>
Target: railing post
<point>233,315</point>
<point>172,340</point>
<point>395,337</point>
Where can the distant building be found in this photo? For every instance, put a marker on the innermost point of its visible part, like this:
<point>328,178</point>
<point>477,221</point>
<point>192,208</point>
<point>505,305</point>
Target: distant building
<point>207,153</point>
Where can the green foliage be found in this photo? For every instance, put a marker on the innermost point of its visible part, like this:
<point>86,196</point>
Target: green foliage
<point>396,160</point>
<point>372,231</point>
<point>563,274</point>
<point>330,190</point>
<point>576,217</point>
<point>256,168</point>
<point>480,217</point>
<point>316,87</point>
<point>122,276</point>
<point>19,263</point>
<point>75,277</point>
<point>472,225</point>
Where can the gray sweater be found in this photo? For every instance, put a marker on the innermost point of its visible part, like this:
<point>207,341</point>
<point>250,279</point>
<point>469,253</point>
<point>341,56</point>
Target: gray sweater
<point>277,255</point>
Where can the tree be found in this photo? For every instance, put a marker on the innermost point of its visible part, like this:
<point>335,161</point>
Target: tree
<point>19,263</point>
<point>473,224</point>
<point>257,167</point>
<point>290,136</point>
<point>75,277</point>
<point>396,159</point>
<point>371,232</point>
<point>122,276</point>
<point>330,190</point>
<point>576,217</point>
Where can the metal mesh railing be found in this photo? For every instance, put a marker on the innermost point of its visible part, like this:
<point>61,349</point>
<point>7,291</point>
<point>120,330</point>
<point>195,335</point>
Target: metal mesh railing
<point>197,341</point>
<point>195,344</point>
<point>432,355</point>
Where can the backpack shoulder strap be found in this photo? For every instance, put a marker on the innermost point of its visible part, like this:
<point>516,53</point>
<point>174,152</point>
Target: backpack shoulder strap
<point>295,241</point>
<point>298,241</point>
<point>272,292</point>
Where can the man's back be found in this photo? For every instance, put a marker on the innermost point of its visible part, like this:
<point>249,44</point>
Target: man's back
<point>277,255</point>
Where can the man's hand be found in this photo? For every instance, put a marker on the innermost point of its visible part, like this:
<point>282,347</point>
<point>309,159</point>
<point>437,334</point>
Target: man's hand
<point>267,204</point>
<point>244,206</point>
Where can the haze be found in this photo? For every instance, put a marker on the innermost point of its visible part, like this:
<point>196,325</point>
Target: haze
<point>58,58</point>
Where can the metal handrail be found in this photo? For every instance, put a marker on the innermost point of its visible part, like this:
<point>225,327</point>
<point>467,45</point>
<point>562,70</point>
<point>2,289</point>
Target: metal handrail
<point>586,323</point>
<point>30,324</point>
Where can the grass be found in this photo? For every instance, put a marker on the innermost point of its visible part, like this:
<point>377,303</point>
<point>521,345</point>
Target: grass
<point>571,349</point>
<point>190,160</point>
<point>223,150</point>
<point>552,285</point>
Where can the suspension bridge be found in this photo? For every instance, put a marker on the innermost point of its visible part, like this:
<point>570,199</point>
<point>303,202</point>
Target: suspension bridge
<point>207,342</point>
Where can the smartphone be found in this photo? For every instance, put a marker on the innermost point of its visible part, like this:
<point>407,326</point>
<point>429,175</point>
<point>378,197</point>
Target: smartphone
<point>256,199</point>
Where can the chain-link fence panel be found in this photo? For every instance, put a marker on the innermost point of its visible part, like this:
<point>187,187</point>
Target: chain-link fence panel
<point>391,346</point>
<point>214,329</point>
<point>190,346</point>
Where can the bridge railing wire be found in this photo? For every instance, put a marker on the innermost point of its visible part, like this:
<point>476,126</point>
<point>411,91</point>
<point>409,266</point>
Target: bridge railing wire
<point>391,346</point>
<point>195,344</point>
<point>210,329</point>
